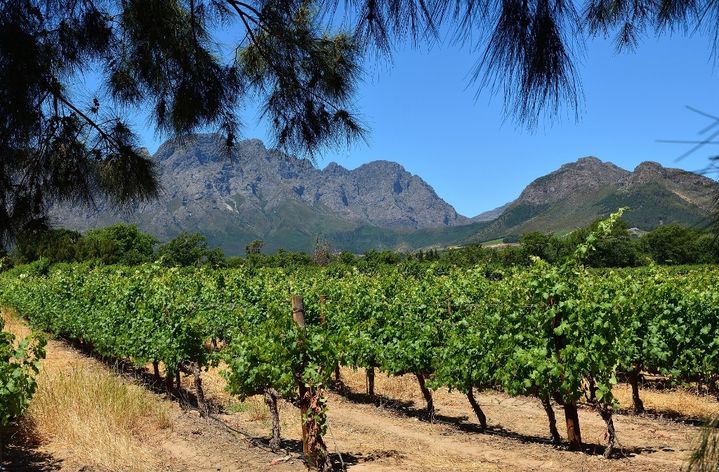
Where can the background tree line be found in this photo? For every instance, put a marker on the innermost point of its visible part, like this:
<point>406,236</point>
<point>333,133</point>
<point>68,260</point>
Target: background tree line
<point>127,245</point>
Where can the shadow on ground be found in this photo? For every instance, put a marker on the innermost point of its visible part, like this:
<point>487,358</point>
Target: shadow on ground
<point>26,457</point>
<point>462,424</point>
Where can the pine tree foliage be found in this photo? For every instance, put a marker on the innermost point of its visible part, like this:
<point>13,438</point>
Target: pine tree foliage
<point>300,58</point>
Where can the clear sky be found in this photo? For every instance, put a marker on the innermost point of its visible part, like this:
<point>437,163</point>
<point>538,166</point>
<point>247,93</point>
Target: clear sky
<point>422,112</point>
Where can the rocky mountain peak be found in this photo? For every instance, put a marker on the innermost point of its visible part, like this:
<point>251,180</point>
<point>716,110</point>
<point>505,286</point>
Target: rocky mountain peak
<point>334,168</point>
<point>690,187</point>
<point>648,170</point>
<point>586,161</point>
<point>582,176</point>
<point>249,189</point>
<point>251,192</point>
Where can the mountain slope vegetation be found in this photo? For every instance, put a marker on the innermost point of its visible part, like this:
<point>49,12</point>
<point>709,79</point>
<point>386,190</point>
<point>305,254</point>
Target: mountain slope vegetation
<point>252,193</point>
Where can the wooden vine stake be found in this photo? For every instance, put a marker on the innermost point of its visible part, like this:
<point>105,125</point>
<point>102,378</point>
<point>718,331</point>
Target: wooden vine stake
<point>311,403</point>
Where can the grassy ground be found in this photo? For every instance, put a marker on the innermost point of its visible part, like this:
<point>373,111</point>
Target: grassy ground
<point>86,412</point>
<point>85,416</point>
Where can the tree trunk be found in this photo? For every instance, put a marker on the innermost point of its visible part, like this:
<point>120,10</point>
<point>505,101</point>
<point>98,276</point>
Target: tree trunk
<point>199,392</point>
<point>370,382</point>
<point>271,400</point>
<point>553,432</point>
<point>606,413</point>
<point>574,434</point>
<point>633,378</point>
<point>477,409</point>
<point>427,394</point>
<point>177,379</point>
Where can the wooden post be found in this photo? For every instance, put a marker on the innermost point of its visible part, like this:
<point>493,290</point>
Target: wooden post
<point>298,315</point>
<point>323,320</point>
<point>298,310</point>
<point>311,405</point>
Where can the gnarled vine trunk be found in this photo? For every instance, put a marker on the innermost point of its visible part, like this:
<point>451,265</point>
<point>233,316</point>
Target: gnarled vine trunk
<point>311,403</point>
<point>633,378</point>
<point>477,409</point>
<point>169,376</point>
<point>370,382</point>
<point>592,389</point>
<point>606,413</point>
<point>156,370</point>
<point>553,432</point>
<point>574,434</point>
<point>271,400</point>
<point>199,391</point>
<point>427,394</point>
<point>314,418</point>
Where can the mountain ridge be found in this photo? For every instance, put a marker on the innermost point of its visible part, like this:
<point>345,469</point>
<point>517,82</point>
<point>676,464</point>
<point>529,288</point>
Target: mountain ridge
<point>252,192</point>
<point>579,192</point>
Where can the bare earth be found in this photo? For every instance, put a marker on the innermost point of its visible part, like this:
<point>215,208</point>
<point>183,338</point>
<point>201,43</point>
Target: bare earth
<point>392,438</point>
<point>388,436</point>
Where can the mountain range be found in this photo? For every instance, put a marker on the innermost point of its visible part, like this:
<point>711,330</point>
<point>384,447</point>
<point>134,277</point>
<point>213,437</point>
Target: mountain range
<point>251,192</point>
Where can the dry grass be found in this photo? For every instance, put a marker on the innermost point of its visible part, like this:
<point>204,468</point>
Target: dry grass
<point>98,417</point>
<point>252,409</point>
<point>404,388</point>
<point>14,325</point>
<point>213,385</point>
<point>89,415</point>
<point>671,402</point>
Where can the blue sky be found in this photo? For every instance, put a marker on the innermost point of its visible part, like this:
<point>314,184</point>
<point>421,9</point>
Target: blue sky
<point>423,113</point>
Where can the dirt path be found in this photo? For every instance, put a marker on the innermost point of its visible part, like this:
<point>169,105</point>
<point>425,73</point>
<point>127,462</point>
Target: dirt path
<point>197,445</point>
<point>392,438</point>
<point>516,439</point>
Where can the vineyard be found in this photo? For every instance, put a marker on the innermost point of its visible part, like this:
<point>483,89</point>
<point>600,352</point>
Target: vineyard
<point>563,334</point>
